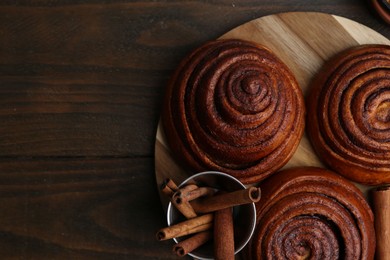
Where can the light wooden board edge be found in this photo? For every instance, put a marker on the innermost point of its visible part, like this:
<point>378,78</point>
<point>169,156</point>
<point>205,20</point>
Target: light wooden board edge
<point>304,41</point>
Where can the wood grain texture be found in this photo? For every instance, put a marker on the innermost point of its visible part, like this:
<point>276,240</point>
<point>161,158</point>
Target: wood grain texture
<point>304,41</point>
<point>79,209</point>
<point>53,50</point>
<point>81,86</point>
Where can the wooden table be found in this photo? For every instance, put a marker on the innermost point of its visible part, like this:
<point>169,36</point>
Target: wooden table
<point>81,87</point>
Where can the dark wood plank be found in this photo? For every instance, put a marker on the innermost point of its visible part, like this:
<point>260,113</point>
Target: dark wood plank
<point>87,77</point>
<point>80,209</point>
<point>81,87</point>
<point>45,119</point>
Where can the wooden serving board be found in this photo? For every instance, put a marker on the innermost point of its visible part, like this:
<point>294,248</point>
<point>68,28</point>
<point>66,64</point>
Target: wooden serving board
<point>304,41</point>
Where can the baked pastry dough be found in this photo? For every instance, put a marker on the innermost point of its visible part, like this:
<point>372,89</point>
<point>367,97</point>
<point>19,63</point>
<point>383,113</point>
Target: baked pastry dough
<point>349,119</point>
<point>312,213</point>
<point>233,106</point>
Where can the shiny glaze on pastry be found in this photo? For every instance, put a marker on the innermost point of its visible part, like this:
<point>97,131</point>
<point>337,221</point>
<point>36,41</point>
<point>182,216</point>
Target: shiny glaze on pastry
<point>312,213</point>
<point>349,119</point>
<point>233,106</point>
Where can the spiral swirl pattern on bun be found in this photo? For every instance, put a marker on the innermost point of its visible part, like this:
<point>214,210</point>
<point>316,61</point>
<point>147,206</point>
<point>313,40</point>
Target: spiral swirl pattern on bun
<point>312,213</point>
<point>233,106</point>
<point>349,123</point>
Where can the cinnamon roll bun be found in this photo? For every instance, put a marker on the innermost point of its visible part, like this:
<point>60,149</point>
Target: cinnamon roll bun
<point>233,106</point>
<point>349,122</point>
<point>312,213</point>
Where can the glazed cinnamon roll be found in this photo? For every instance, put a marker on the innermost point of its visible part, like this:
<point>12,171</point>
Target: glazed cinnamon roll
<point>233,106</point>
<point>312,213</point>
<point>349,123</point>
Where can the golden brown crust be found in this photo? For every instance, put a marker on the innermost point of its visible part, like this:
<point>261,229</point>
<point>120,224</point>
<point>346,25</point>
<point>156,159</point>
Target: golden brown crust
<point>233,106</point>
<point>382,8</point>
<point>349,123</point>
<point>310,211</point>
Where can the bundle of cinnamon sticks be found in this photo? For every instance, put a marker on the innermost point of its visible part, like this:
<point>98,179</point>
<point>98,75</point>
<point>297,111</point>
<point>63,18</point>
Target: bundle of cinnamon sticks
<point>209,215</point>
<point>381,206</point>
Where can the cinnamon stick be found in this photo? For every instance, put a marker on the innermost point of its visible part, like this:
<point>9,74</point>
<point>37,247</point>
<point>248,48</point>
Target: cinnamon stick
<point>171,184</point>
<point>183,206</point>
<point>187,246</point>
<point>197,193</point>
<point>181,198</point>
<point>168,187</point>
<point>223,234</point>
<point>226,200</point>
<point>166,190</point>
<point>185,189</point>
<point>187,227</point>
<point>381,201</point>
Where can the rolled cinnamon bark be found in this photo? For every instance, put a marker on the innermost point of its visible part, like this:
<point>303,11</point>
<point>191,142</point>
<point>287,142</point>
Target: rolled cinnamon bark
<point>188,245</point>
<point>312,212</point>
<point>191,226</point>
<point>185,189</point>
<point>226,200</point>
<point>233,106</point>
<point>183,206</point>
<point>167,191</point>
<point>168,187</point>
<point>223,234</point>
<point>171,184</point>
<point>197,193</point>
<point>381,201</point>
